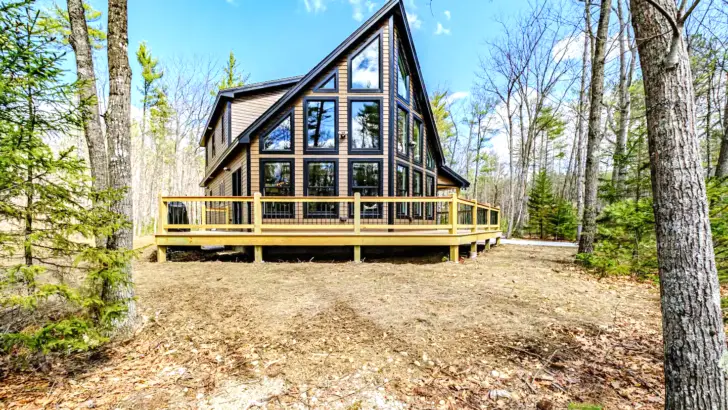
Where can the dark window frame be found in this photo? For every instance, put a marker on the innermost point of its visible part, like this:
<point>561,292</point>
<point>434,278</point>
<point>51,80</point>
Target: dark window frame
<point>401,59</point>
<point>335,74</point>
<point>261,187</point>
<point>268,130</point>
<point>415,120</point>
<point>350,184</point>
<point>427,155</point>
<point>350,119</point>
<point>430,207</point>
<point>407,149</point>
<point>402,209</point>
<point>378,36</point>
<point>323,215</point>
<point>417,208</point>
<point>321,151</point>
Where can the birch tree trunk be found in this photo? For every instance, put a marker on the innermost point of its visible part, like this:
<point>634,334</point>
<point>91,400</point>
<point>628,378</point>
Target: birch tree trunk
<point>119,141</point>
<point>721,169</point>
<point>586,241</point>
<point>92,124</point>
<point>693,334</point>
<point>581,157</point>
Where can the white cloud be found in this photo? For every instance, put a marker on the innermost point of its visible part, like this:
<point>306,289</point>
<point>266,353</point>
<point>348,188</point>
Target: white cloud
<point>458,95</point>
<point>359,7</point>
<point>442,30</point>
<point>447,14</point>
<point>315,6</point>
<point>414,21</point>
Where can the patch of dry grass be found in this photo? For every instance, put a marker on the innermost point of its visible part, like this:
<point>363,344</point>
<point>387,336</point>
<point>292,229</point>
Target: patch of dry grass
<point>519,320</point>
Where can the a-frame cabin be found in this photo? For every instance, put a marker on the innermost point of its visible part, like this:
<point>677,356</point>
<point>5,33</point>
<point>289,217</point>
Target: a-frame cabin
<point>359,124</point>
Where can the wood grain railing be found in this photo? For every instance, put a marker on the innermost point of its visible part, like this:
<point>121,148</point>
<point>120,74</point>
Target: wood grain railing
<point>258,213</point>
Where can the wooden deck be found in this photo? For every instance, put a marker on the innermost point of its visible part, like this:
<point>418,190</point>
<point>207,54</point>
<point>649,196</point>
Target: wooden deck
<point>325,221</point>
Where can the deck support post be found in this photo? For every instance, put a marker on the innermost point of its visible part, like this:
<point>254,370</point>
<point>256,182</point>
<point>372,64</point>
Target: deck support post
<point>497,241</point>
<point>487,244</point>
<point>473,250</point>
<point>453,215</point>
<point>161,253</point>
<point>258,253</point>
<point>454,253</point>
<point>357,254</point>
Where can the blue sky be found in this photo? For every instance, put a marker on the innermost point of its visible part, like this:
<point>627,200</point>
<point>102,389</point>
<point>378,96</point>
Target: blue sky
<point>280,38</point>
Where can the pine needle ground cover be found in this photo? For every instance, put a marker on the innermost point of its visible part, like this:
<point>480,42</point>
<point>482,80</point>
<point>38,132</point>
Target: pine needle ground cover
<point>517,327</point>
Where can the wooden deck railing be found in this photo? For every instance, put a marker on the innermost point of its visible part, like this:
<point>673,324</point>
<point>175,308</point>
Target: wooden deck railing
<point>355,214</point>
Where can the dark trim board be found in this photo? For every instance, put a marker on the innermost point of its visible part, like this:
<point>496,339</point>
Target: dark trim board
<point>392,106</point>
<point>350,119</point>
<point>321,151</point>
<point>376,37</point>
<point>268,130</point>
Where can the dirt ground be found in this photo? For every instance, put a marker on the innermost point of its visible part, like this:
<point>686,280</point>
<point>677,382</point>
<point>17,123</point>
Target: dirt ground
<point>519,327</point>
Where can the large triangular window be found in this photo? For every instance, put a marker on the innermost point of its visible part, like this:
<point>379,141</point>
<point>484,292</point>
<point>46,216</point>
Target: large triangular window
<point>280,137</point>
<point>365,68</point>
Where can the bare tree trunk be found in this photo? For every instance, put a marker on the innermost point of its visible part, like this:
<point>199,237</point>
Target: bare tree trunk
<point>693,334</point>
<point>580,122</point>
<point>721,169</point>
<point>87,79</point>
<point>709,111</point>
<point>586,241</point>
<point>619,169</point>
<point>119,138</point>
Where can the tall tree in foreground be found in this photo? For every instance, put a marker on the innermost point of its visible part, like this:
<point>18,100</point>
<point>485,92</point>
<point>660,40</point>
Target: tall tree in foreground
<point>45,195</point>
<point>79,39</point>
<point>118,133</point>
<point>594,136</point>
<point>693,333</point>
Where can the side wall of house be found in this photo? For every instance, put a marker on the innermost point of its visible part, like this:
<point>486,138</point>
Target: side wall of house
<point>415,112</point>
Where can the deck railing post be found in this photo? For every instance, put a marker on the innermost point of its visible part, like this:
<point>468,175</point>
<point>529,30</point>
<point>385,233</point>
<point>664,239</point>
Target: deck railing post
<point>162,217</point>
<point>454,213</point>
<point>161,221</point>
<point>475,217</point>
<point>257,213</point>
<point>357,213</point>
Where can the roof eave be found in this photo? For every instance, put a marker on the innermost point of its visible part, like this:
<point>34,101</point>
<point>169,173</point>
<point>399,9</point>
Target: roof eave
<point>449,172</point>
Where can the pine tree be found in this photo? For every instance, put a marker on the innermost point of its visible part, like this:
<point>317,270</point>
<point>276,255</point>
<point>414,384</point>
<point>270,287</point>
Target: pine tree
<point>47,202</point>
<point>150,75</point>
<point>541,203</point>
<point>563,220</point>
<point>231,75</point>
